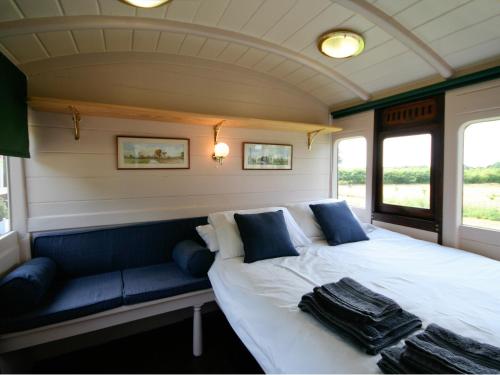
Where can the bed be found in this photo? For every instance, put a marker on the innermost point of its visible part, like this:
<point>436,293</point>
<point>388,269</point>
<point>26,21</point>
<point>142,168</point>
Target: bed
<point>453,288</point>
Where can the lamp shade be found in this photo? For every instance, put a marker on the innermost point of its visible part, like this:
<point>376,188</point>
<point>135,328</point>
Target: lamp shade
<point>221,150</point>
<point>341,44</point>
<point>146,3</point>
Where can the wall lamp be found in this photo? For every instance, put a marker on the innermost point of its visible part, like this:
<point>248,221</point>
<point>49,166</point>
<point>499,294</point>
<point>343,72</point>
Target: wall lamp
<point>221,149</point>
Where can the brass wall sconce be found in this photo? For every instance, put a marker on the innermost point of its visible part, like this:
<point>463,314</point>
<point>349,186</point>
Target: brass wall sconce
<point>221,149</point>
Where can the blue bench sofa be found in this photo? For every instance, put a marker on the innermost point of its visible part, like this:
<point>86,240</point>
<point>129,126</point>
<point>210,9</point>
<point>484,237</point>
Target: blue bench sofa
<point>111,275</point>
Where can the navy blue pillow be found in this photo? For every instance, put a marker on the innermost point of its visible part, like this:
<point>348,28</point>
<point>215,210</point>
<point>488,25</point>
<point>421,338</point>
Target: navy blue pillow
<point>264,236</point>
<point>338,223</point>
<point>192,258</point>
<point>23,289</point>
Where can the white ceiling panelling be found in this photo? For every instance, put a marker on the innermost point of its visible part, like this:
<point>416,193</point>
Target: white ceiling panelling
<point>251,57</point>
<point>9,11</point>
<point>183,11</point>
<point>25,48</point>
<point>170,42</point>
<point>79,7</point>
<point>269,62</point>
<point>297,17</point>
<point>118,40</point>
<point>212,48</point>
<point>325,21</point>
<point>58,43</point>
<point>115,8</point>
<point>89,41</point>
<point>210,12</point>
<point>285,68</point>
<point>269,13</point>
<point>237,13</point>
<point>145,40</point>
<point>192,45</point>
<point>463,16</point>
<point>39,8</point>
<point>232,53</point>
<point>275,37</point>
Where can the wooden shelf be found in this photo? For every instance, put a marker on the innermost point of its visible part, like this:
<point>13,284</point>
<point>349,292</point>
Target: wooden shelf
<point>151,114</point>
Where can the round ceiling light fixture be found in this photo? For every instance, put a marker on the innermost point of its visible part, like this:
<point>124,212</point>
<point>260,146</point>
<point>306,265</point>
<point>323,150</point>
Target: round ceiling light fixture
<point>341,44</point>
<point>146,3</point>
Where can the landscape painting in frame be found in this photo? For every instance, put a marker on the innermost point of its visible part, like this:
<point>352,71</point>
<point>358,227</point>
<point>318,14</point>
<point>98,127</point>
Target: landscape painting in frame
<point>152,153</point>
<point>267,156</point>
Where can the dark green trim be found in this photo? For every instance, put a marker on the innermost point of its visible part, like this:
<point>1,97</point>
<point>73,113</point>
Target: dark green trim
<point>437,88</point>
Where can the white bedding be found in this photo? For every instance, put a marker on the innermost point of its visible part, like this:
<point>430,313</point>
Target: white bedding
<point>453,288</point>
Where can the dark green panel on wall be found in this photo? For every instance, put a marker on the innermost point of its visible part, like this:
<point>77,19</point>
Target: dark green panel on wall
<point>13,111</point>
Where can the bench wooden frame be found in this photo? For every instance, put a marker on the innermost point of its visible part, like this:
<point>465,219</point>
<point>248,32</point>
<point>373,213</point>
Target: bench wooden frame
<point>11,342</point>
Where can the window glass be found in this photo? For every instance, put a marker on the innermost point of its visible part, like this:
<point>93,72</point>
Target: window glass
<point>407,171</point>
<point>481,189</point>
<point>351,171</point>
<point>4,197</point>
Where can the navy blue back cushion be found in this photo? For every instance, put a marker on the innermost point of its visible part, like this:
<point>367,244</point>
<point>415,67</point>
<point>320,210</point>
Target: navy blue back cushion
<point>264,236</point>
<point>23,289</point>
<point>89,252</point>
<point>338,223</point>
<point>193,258</point>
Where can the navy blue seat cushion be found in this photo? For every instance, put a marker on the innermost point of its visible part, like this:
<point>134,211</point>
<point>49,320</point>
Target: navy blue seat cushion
<point>89,252</point>
<point>338,223</point>
<point>264,236</point>
<point>158,281</point>
<point>193,258</point>
<point>71,299</point>
<point>23,289</point>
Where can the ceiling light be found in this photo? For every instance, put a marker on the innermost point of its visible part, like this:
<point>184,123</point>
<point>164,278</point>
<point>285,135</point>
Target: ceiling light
<point>341,44</point>
<point>146,3</point>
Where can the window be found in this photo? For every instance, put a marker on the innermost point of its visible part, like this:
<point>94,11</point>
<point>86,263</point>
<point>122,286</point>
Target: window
<point>481,177</point>
<point>4,197</point>
<point>408,164</point>
<point>351,171</point>
<point>407,171</point>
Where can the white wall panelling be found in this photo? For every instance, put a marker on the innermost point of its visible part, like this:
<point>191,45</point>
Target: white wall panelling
<point>76,184</point>
<point>464,106</point>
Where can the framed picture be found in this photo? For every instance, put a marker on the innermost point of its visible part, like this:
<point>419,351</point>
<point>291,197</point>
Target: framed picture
<point>267,156</point>
<point>152,153</point>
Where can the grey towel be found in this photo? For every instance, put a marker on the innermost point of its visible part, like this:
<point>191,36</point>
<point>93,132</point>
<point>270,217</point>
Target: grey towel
<point>390,363</point>
<point>374,336</point>
<point>351,300</point>
<point>442,351</point>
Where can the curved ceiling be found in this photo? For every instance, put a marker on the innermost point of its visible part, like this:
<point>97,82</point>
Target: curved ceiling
<point>406,40</point>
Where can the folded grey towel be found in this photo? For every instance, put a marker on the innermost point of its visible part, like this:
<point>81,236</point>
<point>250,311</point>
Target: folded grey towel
<point>390,363</point>
<point>374,336</point>
<point>439,350</point>
<point>353,301</point>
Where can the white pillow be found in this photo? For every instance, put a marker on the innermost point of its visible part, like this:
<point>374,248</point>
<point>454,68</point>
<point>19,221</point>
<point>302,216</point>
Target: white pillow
<point>228,235</point>
<point>304,216</point>
<point>207,233</point>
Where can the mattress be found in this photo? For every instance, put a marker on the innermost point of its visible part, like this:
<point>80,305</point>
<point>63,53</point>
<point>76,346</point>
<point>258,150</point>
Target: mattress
<point>453,288</point>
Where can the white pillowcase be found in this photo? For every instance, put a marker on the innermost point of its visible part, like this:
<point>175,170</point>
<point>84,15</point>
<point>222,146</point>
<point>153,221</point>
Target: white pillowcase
<point>228,235</point>
<point>207,233</point>
<point>304,216</point>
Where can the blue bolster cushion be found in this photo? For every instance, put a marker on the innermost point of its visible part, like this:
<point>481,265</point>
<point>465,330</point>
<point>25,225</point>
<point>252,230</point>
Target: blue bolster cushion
<point>23,289</point>
<point>192,258</point>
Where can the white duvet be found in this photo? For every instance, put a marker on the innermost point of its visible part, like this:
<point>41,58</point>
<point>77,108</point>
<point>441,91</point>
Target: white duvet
<point>453,288</point>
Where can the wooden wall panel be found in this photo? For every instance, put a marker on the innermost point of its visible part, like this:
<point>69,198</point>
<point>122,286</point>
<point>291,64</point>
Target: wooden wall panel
<point>76,184</point>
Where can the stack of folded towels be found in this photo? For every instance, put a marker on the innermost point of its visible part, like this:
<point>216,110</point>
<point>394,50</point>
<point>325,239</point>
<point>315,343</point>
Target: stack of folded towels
<point>371,319</point>
<point>440,351</point>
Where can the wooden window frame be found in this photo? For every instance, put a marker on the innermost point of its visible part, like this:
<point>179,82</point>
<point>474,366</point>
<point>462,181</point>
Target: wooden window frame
<point>420,218</point>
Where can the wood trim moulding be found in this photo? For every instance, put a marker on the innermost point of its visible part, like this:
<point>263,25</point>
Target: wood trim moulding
<point>399,32</point>
<point>152,114</point>
<point>49,24</point>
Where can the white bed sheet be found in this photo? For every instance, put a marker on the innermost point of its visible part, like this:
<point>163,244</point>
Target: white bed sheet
<point>453,288</point>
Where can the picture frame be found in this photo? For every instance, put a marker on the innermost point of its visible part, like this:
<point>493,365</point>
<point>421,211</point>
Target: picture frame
<point>267,156</point>
<point>135,152</point>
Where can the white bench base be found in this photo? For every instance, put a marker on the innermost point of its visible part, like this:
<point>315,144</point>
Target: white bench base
<point>11,342</point>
